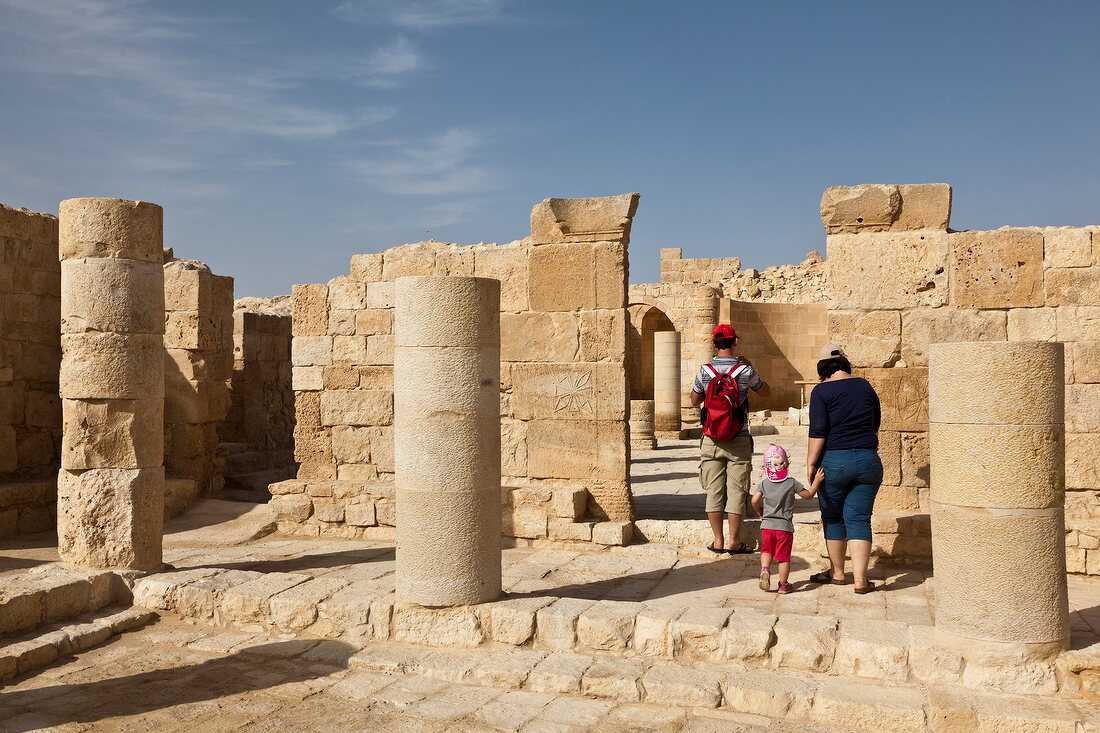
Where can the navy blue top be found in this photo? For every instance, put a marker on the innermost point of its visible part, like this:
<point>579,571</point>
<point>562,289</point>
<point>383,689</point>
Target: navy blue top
<point>845,413</point>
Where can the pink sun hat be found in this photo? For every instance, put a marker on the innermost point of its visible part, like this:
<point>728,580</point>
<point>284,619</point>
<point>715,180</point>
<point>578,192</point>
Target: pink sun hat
<point>772,452</point>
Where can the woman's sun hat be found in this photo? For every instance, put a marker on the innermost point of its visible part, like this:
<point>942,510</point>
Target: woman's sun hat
<point>771,453</point>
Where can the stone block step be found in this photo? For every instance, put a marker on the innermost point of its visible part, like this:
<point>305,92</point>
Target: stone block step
<point>365,609</point>
<point>52,593</point>
<point>726,697</point>
<point>46,644</point>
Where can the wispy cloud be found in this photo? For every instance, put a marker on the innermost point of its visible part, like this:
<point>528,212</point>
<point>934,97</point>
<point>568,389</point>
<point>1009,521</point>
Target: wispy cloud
<point>389,64</point>
<point>443,165</point>
<point>424,14</point>
<point>175,70</point>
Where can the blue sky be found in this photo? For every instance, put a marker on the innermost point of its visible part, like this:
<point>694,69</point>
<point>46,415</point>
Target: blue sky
<point>283,137</point>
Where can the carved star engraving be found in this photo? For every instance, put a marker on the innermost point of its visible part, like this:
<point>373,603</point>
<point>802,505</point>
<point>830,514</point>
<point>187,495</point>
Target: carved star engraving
<point>574,393</point>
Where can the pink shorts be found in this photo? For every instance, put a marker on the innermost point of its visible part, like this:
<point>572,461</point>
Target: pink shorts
<point>777,543</point>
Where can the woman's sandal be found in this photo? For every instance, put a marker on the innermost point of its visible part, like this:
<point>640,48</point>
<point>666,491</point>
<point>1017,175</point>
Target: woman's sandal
<point>866,589</point>
<point>825,578</point>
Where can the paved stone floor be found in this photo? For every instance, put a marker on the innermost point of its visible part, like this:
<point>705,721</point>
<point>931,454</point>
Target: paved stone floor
<point>665,481</point>
<point>178,677</point>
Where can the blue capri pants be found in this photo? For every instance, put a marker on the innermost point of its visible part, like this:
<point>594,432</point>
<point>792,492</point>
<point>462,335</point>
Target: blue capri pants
<point>847,496</point>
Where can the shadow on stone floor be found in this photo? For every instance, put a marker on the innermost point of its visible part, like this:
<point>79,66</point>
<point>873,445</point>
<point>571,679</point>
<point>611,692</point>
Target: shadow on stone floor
<point>673,476</point>
<point>662,583</point>
<point>308,562</point>
<point>250,670</point>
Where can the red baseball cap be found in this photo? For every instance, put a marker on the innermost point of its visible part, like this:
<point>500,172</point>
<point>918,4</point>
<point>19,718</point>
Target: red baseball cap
<point>724,331</point>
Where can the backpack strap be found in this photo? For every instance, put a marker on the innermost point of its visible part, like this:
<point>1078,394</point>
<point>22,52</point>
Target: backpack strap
<point>710,368</point>
<point>740,368</point>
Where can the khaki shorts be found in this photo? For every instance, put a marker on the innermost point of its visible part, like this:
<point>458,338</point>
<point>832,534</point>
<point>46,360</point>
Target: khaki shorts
<point>724,471</point>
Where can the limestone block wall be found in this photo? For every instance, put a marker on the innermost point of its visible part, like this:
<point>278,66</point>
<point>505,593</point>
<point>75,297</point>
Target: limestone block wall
<point>198,340</point>
<point>261,412</point>
<point>899,279</point>
<point>782,340</point>
<point>563,354</point>
<point>30,354</point>
<point>704,271</point>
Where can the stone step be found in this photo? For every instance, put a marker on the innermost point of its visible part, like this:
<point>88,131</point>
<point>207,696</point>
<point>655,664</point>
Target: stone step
<point>53,593</point>
<point>732,696</point>
<point>44,645</point>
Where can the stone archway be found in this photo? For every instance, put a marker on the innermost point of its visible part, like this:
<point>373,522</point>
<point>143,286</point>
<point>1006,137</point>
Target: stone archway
<point>645,320</point>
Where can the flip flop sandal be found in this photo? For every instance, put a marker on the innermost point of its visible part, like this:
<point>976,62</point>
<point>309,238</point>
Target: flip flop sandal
<point>869,588</point>
<point>715,550</point>
<point>742,550</point>
<point>825,578</point>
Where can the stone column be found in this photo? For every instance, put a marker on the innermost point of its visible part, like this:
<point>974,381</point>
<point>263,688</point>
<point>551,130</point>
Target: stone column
<point>997,446</point>
<point>666,381</point>
<point>447,439</point>
<point>641,425</point>
<point>110,489</point>
<point>705,309</point>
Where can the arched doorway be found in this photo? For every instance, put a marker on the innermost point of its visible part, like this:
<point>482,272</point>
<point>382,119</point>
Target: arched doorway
<point>645,320</point>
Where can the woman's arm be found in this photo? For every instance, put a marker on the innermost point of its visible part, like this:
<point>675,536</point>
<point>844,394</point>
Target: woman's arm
<point>813,458</point>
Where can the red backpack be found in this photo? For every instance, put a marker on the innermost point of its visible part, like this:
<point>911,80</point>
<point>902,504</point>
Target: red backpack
<point>723,417</point>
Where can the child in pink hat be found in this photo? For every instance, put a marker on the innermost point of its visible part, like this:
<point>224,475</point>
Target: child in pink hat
<point>773,500</point>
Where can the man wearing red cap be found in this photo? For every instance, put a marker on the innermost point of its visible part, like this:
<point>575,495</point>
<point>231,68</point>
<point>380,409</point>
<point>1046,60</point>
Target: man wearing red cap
<point>725,467</point>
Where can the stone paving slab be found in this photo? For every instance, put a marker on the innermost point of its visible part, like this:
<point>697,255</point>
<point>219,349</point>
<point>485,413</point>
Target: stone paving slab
<point>175,677</point>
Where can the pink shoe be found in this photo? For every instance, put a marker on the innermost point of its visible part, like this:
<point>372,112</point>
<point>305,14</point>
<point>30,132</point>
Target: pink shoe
<point>765,579</point>
<point>784,588</point>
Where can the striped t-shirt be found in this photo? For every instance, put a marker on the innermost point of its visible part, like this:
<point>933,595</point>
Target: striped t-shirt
<point>747,379</point>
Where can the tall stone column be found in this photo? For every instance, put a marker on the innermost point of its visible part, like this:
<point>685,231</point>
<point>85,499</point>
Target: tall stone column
<point>997,446</point>
<point>666,381</point>
<point>447,439</point>
<point>705,309</point>
<point>110,489</point>
<point>641,425</point>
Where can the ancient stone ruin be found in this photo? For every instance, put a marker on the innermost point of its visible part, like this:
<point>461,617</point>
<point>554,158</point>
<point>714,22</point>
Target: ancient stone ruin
<point>461,480</point>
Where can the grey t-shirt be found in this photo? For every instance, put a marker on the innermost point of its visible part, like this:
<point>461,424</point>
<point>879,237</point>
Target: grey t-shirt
<point>778,503</point>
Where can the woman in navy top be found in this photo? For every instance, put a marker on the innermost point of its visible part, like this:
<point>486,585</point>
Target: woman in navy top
<point>844,421</point>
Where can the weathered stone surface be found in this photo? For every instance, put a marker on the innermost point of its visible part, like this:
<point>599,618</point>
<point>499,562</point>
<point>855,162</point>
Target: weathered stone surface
<point>559,673</point>
<point>1080,323</point>
<point>112,434</point>
<point>997,269</point>
<point>539,337</point>
<point>249,601</point>
<point>607,625</point>
<point>914,459</point>
<point>927,661</point>
<point>1082,460</point>
<point>112,295</point>
<point>569,391</point>
<point>763,692</point>
<point>889,452</point>
<point>557,623</point>
<point>616,534</point>
<point>310,304</point>
<point>1072,286</point>
<point>888,270</point>
<point>111,518</point>
<point>903,396</point>
<point>870,207</point>
<point>112,366</point>
<point>311,350</point>
<point>104,227</point>
<point>614,678</point>
<point>1068,247</point>
<point>1032,324</point>
<point>508,264</point>
<point>923,327</point>
<point>924,206</point>
<point>860,706</point>
<point>586,449</point>
<point>748,636</point>
<point>696,633</point>
<point>512,621</point>
<point>356,407</point>
<point>604,219</point>
<point>1086,362</point>
<point>457,627</point>
<point>805,643</point>
<point>870,339</point>
<point>871,648</point>
<point>969,369</point>
<point>687,686</point>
